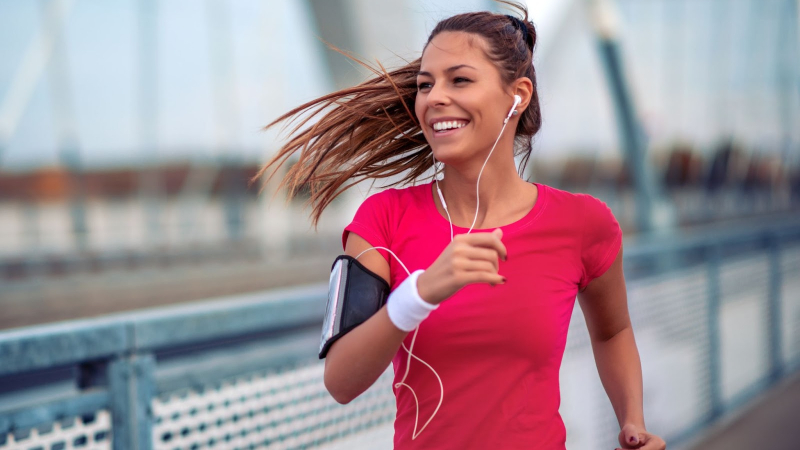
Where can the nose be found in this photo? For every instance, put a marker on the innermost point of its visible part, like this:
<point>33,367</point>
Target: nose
<point>437,96</point>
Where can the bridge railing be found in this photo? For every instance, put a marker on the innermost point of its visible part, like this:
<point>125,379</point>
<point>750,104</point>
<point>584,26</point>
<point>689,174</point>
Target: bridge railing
<point>241,369</point>
<point>241,372</point>
<point>717,320</point>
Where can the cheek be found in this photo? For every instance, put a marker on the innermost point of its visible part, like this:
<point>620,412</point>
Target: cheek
<point>490,113</point>
<point>419,109</point>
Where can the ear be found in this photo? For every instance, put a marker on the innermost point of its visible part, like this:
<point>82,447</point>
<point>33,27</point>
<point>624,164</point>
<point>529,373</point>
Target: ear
<point>524,88</point>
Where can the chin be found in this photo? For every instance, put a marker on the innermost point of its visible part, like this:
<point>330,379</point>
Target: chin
<point>453,156</point>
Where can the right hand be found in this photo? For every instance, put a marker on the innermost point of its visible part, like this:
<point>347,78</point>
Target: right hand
<point>469,258</point>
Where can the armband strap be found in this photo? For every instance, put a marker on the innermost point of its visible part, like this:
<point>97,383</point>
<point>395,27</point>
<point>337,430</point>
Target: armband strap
<point>406,308</point>
<point>354,295</point>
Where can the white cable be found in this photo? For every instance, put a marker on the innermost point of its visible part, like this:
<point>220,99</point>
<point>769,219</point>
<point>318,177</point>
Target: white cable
<point>408,362</point>
<point>478,184</point>
<point>402,383</point>
<point>441,197</point>
<point>384,248</point>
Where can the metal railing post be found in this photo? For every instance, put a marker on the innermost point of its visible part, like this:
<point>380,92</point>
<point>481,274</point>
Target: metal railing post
<point>774,325</point>
<point>132,387</point>
<point>714,353</point>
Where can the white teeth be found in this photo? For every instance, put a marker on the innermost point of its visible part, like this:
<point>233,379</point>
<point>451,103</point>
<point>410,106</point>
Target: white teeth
<point>440,126</point>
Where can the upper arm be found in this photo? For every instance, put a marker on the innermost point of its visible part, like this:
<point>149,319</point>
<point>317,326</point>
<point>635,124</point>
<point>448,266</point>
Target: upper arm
<point>372,260</point>
<point>604,302</point>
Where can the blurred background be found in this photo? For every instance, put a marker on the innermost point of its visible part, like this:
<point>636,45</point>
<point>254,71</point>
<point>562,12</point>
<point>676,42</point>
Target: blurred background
<point>130,130</point>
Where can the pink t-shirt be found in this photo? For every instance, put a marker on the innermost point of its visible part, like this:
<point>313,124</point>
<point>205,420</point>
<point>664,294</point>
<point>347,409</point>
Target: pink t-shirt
<point>497,349</point>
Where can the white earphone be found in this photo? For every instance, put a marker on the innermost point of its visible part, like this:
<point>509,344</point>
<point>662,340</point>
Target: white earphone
<point>517,101</point>
<point>512,111</point>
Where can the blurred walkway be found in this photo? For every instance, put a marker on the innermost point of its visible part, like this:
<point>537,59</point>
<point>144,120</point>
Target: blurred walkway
<point>772,421</point>
<point>37,301</point>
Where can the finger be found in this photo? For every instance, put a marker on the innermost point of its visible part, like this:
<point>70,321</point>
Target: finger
<point>472,265</point>
<point>487,240</point>
<point>641,441</point>
<point>632,439</point>
<point>482,277</point>
<point>650,442</point>
<point>498,232</point>
<point>480,254</point>
<point>629,436</point>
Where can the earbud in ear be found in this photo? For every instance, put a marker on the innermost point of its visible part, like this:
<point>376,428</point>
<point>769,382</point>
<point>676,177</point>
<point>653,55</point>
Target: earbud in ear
<point>517,101</point>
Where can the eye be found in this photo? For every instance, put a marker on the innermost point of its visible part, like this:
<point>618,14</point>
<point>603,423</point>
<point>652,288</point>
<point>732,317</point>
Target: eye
<point>425,85</point>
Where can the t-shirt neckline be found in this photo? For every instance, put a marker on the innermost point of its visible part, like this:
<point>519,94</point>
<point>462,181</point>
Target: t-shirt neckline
<point>442,222</point>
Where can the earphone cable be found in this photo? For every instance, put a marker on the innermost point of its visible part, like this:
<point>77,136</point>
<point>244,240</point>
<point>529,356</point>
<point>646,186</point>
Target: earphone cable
<point>408,361</point>
<point>416,330</point>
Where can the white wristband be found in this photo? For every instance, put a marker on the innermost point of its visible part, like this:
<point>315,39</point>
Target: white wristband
<point>405,307</point>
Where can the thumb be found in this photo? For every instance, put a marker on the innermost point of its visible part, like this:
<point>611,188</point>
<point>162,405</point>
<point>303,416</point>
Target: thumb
<point>629,436</point>
<point>498,232</point>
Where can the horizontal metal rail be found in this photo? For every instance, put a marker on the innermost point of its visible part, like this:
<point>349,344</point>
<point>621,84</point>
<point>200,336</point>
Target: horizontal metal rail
<point>44,346</point>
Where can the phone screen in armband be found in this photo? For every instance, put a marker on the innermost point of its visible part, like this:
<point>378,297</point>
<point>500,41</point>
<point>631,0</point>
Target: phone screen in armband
<point>354,295</point>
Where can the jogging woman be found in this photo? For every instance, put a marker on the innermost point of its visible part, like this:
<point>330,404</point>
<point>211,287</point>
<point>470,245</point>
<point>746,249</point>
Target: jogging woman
<point>484,267</point>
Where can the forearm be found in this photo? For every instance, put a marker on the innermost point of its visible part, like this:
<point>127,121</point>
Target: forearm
<point>359,358</point>
<point>620,371</point>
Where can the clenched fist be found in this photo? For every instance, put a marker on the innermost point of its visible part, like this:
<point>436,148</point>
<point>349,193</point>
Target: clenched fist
<point>469,258</point>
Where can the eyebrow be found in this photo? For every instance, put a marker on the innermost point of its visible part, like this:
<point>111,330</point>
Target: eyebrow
<point>448,70</point>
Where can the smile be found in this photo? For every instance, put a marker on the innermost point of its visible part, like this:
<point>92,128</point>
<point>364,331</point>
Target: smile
<point>448,126</point>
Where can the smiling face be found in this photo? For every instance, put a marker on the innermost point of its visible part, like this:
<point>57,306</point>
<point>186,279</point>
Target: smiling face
<point>461,100</point>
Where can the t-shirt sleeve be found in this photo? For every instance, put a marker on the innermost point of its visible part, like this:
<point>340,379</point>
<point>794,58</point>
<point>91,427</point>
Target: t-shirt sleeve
<point>602,239</point>
<point>372,221</point>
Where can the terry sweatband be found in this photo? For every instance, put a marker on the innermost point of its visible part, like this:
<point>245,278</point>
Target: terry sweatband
<point>354,295</point>
<point>405,307</point>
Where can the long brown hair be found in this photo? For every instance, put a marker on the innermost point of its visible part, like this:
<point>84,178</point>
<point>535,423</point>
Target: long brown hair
<point>370,130</point>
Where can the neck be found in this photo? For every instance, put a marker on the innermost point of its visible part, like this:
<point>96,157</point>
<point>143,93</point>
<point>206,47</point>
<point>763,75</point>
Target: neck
<point>499,182</point>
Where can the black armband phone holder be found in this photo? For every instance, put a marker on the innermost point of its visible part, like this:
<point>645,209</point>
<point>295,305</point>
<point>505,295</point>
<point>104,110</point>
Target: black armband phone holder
<point>355,294</point>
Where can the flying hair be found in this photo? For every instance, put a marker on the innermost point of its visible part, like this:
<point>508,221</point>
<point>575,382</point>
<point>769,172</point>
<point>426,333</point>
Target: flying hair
<point>370,131</point>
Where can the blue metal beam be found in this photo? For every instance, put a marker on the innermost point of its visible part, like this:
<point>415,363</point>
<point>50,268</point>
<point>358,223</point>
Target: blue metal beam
<point>39,347</point>
<point>45,346</point>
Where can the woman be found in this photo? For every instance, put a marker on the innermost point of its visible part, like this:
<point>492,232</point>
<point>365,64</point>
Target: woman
<point>497,261</point>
